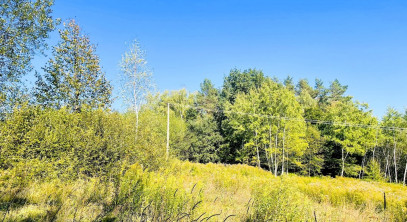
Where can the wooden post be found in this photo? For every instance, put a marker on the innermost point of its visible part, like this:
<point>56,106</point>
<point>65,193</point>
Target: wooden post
<point>384,205</point>
<point>168,131</point>
<point>384,200</point>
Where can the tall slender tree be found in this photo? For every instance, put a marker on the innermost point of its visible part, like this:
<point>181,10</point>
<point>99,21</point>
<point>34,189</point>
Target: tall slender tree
<point>136,78</point>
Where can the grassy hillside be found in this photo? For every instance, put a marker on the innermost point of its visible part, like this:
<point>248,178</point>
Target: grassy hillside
<point>202,192</point>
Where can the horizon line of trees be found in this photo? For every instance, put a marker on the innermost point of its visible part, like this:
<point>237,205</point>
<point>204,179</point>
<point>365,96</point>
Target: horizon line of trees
<point>206,126</point>
<point>233,125</point>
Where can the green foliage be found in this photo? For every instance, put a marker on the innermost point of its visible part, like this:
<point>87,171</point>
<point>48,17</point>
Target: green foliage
<point>73,77</point>
<point>373,171</point>
<point>259,115</point>
<point>24,26</point>
<point>281,203</point>
<point>204,141</point>
<point>313,155</point>
<point>68,145</point>
<point>241,82</point>
<point>346,135</point>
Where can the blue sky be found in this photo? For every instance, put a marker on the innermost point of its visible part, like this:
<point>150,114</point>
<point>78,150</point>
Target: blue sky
<point>361,43</point>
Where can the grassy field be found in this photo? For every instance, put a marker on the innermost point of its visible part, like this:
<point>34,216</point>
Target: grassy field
<point>187,191</point>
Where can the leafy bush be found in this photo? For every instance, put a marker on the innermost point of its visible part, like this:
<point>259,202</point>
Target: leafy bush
<point>64,144</point>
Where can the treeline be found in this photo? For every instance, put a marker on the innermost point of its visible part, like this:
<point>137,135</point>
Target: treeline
<point>64,125</point>
<point>289,127</point>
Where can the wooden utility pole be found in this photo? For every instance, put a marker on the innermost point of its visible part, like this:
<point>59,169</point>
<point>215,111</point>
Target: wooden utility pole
<point>168,130</point>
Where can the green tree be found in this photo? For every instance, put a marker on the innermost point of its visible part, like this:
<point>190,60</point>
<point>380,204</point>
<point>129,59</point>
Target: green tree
<point>394,142</point>
<point>313,155</point>
<point>241,82</point>
<point>347,132</point>
<point>269,119</point>
<point>204,139</point>
<point>237,82</point>
<point>336,92</point>
<point>73,77</point>
<point>24,26</point>
<point>203,134</point>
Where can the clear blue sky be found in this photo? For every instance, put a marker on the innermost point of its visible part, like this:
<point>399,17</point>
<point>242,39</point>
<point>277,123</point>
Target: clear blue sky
<point>361,43</point>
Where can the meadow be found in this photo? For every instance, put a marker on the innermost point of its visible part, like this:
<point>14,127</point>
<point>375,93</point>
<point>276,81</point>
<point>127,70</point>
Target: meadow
<point>256,148</point>
<point>185,191</point>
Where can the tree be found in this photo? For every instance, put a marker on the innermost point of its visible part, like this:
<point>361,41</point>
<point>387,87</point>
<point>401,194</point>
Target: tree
<point>24,26</point>
<point>336,91</point>
<point>208,96</point>
<point>268,119</point>
<point>73,77</point>
<point>394,140</point>
<point>237,82</point>
<point>241,82</point>
<point>289,83</point>
<point>313,158</point>
<point>136,78</point>
<point>204,139</point>
<point>348,134</point>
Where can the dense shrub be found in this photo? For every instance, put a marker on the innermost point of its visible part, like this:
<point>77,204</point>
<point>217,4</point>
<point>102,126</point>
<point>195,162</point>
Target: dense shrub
<point>65,144</point>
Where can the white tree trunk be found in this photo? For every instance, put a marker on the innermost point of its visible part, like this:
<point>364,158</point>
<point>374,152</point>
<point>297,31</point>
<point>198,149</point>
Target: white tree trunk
<point>270,149</point>
<point>343,161</point>
<point>168,131</point>
<point>268,157</point>
<point>282,163</point>
<point>275,153</point>
<point>395,163</point>
<point>387,166</point>
<point>257,150</point>
<point>405,174</point>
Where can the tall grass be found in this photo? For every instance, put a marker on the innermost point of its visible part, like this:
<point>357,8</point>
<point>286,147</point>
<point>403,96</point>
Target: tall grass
<point>184,191</point>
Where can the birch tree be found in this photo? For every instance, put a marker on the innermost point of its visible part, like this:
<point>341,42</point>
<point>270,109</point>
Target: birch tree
<point>136,78</point>
<point>346,116</point>
<point>394,139</point>
<point>269,110</point>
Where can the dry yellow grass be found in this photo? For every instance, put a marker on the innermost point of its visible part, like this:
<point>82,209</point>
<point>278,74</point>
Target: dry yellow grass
<point>240,192</point>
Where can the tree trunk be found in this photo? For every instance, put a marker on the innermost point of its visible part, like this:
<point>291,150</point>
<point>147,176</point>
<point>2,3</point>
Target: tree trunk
<point>387,165</point>
<point>168,131</point>
<point>137,112</point>
<point>257,150</point>
<point>275,153</point>
<point>374,148</point>
<point>405,174</point>
<point>362,169</point>
<point>267,157</point>
<point>395,163</point>
<point>343,163</point>
<point>270,149</point>
<point>135,109</point>
<point>282,163</point>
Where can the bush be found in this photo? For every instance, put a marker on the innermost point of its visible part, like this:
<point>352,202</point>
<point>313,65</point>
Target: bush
<point>68,145</point>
